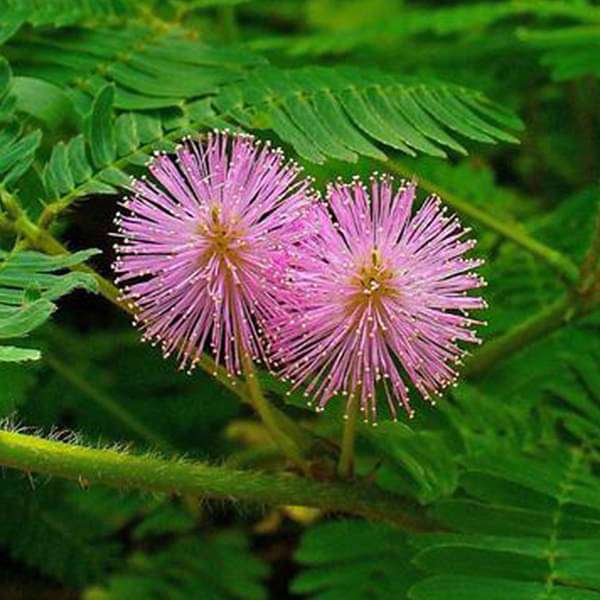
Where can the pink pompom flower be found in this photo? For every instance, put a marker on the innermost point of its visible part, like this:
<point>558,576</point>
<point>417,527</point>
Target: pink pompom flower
<point>204,246</point>
<point>380,297</point>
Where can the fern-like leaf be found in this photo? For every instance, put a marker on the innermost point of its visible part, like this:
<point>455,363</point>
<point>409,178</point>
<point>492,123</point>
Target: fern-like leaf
<point>528,528</point>
<point>414,463</point>
<point>569,52</point>
<point>15,13</point>
<point>340,112</point>
<point>352,560</point>
<point>221,566</point>
<point>30,282</point>
<point>403,22</point>
<point>150,69</point>
<point>17,148</point>
<point>55,532</point>
<point>98,161</point>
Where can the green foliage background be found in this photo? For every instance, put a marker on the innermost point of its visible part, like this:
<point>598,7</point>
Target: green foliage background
<point>493,105</point>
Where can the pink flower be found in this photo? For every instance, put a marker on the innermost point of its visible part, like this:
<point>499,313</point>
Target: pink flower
<point>380,298</point>
<point>203,256</point>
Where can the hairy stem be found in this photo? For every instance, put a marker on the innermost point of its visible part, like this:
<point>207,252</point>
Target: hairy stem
<point>345,467</point>
<point>511,231</point>
<point>119,469</point>
<point>297,437</point>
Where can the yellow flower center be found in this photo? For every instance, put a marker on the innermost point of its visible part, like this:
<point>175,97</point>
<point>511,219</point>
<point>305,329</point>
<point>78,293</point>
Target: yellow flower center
<point>371,282</point>
<point>225,237</point>
<point>373,276</point>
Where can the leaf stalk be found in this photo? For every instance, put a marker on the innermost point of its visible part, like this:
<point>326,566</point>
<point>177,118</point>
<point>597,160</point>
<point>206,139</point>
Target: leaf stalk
<point>346,461</point>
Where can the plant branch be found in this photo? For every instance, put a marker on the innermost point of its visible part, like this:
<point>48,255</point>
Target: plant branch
<point>580,300</point>
<point>346,461</point>
<point>122,470</point>
<point>283,432</point>
<point>42,240</point>
<point>534,328</point>
<point>107,403</point>
<point>511,231</point>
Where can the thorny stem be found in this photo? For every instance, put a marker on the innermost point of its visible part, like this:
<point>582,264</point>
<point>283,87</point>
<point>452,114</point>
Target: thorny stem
<point>346,462</point>
<point>122,470</point>
<point>511,231</point>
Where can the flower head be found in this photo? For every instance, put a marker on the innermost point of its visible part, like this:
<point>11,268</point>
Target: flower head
<point>203,257</point>
<point>380,298</point>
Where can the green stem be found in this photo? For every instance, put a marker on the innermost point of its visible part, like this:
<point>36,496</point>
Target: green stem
<point>107,403</point>
<point>123,470</point>
<point>511,231</point>
<point>346,462</point>
<point>523,334</point>
<point>278,425</point>
<point>229,25</point>
<point>297,439</point>
<point>580,300</point>
<point>42,240</point>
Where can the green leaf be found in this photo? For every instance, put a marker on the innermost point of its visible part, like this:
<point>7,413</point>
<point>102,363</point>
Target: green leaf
<point>56,532</point>
<point>29,285</point>
<point>468,588</point>
<point>569,52</point>
<point>397,26</point>
<point>149,69</point>
<point>26,318</point>
<point>349,559</point>
<point>59,12</point>
<point>57,173</point>
<point>45,101</point>
<point>415,463</point>
<point>529,525</point>
<point>222,567</point>
<point>14,354</point>
<point>20,151</point>
<point>332,112</point>
<point>165,519</point>
<point>101,130</point>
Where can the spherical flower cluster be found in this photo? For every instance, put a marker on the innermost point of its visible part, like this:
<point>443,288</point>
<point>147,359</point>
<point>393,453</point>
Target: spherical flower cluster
<point>380,298</point>
<point>226,247</point>
<point>205,239</point>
